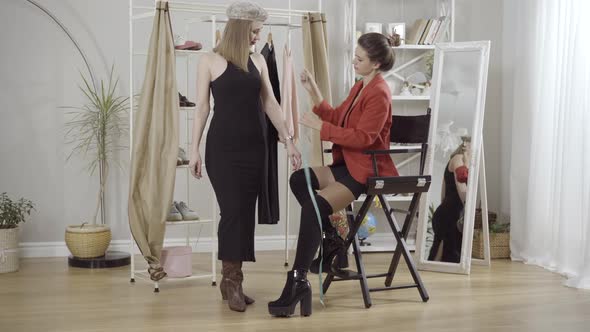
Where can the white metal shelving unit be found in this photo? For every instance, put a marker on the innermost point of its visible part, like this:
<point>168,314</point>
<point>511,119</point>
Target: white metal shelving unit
<point>409,98</point>
<point>414,47</point>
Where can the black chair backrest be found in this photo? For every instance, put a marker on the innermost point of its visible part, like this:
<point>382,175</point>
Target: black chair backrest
<point>398,184</point>
<point>410,129</point>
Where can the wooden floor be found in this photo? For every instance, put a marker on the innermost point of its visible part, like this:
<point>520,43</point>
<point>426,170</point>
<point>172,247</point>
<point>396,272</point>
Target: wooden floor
<point>46,295</point>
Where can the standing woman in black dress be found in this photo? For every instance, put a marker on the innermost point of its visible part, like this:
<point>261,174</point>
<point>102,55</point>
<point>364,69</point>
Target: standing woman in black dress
<point>235,148</point>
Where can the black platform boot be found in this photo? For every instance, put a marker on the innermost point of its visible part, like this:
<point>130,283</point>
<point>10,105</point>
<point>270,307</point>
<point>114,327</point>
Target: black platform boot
<point>333,253</point>
<point>297,289</point>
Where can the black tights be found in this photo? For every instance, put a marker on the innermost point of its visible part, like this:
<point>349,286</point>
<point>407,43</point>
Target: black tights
<point>298,185</point>
<point>309,229</point>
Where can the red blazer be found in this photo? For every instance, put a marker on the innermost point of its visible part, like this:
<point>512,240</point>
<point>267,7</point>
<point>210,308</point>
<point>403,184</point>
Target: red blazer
<point>366,127</point>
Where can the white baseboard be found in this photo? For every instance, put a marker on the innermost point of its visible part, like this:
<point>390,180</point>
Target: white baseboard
<point>380,241</point>
<point>59,249</point>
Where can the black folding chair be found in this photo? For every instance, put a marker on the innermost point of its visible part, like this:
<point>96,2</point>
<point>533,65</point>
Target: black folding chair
<point>407,130</point>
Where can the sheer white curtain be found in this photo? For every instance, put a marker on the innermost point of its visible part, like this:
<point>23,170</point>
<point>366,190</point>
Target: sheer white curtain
<point>547,87</point>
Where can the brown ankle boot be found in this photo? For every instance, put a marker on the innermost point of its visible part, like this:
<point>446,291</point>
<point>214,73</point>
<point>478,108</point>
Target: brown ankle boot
<point>223,287</point>
<point>231,286</point>
<point>247,299</point>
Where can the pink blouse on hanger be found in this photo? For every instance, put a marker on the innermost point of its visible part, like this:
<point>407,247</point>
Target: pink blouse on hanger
<point>289,95</point>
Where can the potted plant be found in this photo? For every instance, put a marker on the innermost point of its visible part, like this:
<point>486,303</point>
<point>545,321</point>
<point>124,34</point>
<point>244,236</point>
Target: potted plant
<point>94,131</point>
<point>12,213</point>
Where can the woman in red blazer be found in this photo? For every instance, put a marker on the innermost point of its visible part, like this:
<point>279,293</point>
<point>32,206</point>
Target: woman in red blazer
<point>362,122</point>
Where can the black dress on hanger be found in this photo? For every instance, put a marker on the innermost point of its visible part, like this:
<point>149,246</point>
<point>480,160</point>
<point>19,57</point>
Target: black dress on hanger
<point>268,52</point>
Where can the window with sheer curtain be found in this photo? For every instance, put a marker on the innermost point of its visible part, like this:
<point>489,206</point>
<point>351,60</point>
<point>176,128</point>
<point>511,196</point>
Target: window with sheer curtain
<point>547,90</point>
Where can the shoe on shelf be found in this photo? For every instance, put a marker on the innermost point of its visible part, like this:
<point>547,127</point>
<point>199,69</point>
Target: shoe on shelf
<point>180,43</point>
<point>192,46</point>
<point>187,214</point>
<point>182,159</point>
<point>184,102</point>
<point>179,40</point>
<point>174,214</point>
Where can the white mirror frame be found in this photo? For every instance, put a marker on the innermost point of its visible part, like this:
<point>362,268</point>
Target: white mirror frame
<point>464,266</point>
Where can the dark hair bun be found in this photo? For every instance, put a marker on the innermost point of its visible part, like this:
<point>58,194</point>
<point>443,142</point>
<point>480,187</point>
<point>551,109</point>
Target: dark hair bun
<point>378,48</point>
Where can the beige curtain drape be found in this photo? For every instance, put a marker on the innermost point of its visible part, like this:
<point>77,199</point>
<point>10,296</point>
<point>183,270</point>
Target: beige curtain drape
<point>315,53</point>
<point>289,95</point>
<point>155,142</point>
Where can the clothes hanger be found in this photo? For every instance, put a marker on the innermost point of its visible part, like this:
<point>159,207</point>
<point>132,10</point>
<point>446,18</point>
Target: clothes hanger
<point>269,40</point>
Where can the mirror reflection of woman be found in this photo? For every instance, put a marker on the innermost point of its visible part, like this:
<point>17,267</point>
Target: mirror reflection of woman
<point>445,221</point>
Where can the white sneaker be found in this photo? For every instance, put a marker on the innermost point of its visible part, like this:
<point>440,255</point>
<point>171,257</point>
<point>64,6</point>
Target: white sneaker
<point>182,159</point>
<point>179,40</point>
<point>187,214</point>
<point>174,214</point>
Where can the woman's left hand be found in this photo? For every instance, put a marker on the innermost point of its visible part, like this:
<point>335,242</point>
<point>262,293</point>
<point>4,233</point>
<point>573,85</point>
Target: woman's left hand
<point>310,120</point>
<point>294,155</point>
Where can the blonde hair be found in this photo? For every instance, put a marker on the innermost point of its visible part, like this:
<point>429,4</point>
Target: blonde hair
<point>461,148</point>
<point>235,43</point>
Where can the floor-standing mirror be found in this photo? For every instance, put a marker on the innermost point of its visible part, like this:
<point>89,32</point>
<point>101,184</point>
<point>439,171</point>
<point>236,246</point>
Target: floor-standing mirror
<point>445,231</point>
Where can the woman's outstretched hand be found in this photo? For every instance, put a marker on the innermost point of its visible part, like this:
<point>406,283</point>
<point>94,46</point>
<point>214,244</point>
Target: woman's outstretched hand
<point>294,155</point>
<point>195,164</point>
<point>307,80</point>
<point>310,120</point>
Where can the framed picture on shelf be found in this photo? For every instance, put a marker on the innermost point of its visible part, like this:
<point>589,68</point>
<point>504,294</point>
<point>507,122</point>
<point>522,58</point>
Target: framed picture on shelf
<point>373,27</point>
<point>399,28</point>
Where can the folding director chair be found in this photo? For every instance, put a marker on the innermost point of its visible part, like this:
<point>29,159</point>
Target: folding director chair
<point>406,130</point>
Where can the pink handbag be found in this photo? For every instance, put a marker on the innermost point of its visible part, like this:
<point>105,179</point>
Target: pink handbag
<point>177,261</point>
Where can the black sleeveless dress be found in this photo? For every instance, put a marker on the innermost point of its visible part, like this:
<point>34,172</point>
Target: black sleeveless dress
<point>444,222</point>
<point>235,158</point>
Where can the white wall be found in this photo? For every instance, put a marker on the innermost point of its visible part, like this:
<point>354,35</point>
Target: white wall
<point>482,20</point>
<point>39,73</point>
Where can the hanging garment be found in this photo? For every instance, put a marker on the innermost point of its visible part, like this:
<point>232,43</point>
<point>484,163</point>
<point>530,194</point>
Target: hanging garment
<point>155,143</point>
<point>269,54</point>
<point>315,52</point>
<point>271,216</point>
<point>289,95</point>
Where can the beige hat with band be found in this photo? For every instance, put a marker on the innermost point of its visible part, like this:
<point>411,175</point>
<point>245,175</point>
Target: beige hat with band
<point>246,11</point>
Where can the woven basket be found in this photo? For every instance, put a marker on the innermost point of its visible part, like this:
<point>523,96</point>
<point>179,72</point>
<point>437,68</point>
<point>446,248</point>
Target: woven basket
<point>88,241</point>
<point>492,217</point>
<point>499,245</point>
<point>9,250</point>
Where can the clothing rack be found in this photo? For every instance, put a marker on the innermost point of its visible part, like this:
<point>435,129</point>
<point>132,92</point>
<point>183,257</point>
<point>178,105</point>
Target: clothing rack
<point>214,13</point>
<point>214,9</point>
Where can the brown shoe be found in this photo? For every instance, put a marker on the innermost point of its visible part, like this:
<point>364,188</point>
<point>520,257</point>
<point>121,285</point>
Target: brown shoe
<point>223,287</point>
<point>247,299</point>
<point>156,272</point>
<point>231,285</point>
